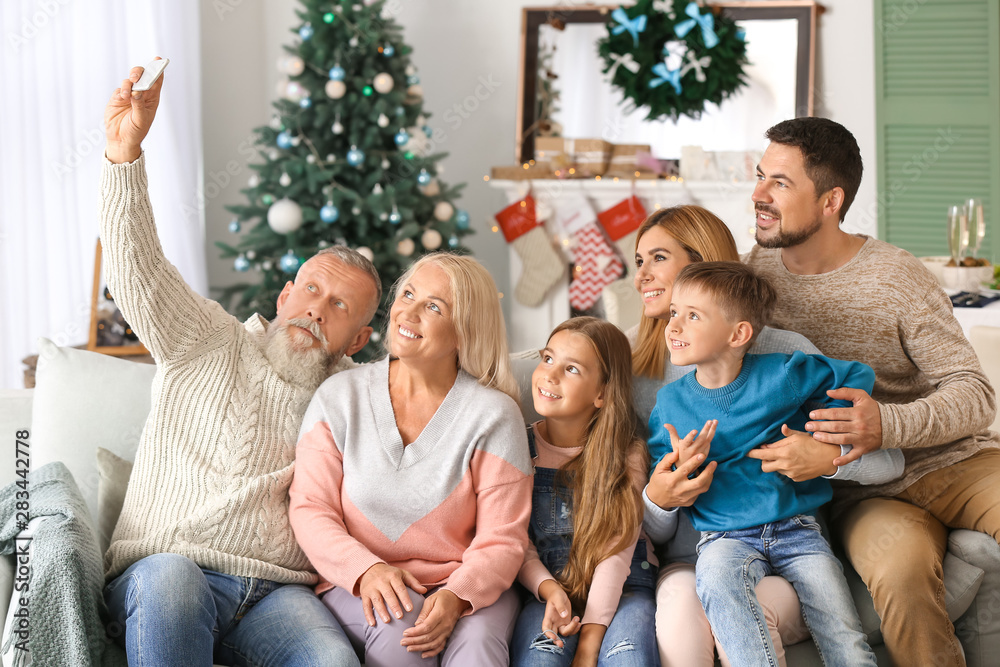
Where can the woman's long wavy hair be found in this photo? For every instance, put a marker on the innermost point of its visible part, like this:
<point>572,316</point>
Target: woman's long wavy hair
<point>607,508</point>
<point>477,318</point>
<point>705,238</point>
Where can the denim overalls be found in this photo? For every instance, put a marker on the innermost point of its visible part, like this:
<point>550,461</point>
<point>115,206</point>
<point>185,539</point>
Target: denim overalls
<point>631,637</point>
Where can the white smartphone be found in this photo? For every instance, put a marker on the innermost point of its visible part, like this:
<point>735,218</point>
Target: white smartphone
<point>150,73</point>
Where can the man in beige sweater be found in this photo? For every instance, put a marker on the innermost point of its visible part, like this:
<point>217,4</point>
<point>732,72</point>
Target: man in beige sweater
<point>203,565</point>
<point>861,299</point>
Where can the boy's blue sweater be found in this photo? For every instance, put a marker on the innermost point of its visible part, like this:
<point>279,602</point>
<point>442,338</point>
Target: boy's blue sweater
<point>771,390</point>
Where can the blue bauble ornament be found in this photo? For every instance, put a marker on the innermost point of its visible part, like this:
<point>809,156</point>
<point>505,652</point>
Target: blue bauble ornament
<point>428,130</point>
<point>395,218</point>
<point>329,214</point>
<point>462,219</point>
<point>305,102</point>
<point>413,80</point>
<point>453,242</point>
<point>289,263</point>
<point>306,31</point>
<point>337,73</point>
<point>388,51</point>
<point>423,178</point>
<point>235,226</point>
<point>284,139</point>
<point>355,157</point>
<point>241,264</point>
<point>402,137</point>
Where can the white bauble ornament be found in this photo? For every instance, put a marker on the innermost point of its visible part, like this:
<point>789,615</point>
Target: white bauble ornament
<point>285,180</point>
<point>311,158</point>
<point>284,216</point>
<point>410,70</point>
<point>383,120</point>
<point>443,211</point>
<point>366,252</point>
<point>294,66</point>
<point>275,120</point>
<point>375,337</point>
<point>383,83</point>
<point>337,127</point>
<point>431,239</point>
<point>353,42</point>
<point>254,180</point>
<point>335,89</point>
<point>377,190</point>
<point>415,91</point>
<point>296,140</point>
<point>273,154</point>
<point>251,254</point>
<point>331,158</point>
<point>266,265</point>
<point>406,247</point>
<point>432,189</point>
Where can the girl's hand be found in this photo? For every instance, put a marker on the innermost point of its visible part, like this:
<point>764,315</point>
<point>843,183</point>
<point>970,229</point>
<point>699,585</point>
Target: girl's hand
<point>383,588</point>
<point>557,620</point>
<point>435,623</point>
<point>672,488</point>
<point>693,443</point>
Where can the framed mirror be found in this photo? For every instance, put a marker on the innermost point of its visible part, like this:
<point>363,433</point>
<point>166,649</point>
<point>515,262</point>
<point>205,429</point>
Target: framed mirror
<point>559,49</point>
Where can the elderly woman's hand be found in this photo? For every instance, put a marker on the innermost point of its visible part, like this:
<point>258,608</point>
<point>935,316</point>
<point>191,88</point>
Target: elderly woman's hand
<point>383,586</point>
<point>435,623</point>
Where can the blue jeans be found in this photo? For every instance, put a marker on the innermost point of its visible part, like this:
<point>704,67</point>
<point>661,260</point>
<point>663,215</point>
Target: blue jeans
<point>731,563</point>
<point>175,613</point>
<point>629,642</point>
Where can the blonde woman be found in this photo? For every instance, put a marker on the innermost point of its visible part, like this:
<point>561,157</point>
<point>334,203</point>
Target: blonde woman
<point>412,488</point>
<point>667,241</point>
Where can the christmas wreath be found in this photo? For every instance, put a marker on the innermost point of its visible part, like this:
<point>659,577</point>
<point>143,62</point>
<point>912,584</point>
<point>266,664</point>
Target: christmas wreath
<point>672,59</point>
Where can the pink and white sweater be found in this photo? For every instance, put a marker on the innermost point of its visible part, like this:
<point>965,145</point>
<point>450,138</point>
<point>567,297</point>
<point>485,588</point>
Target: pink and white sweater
<point>451,507</point>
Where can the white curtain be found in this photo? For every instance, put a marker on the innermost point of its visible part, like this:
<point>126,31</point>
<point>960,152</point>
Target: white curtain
<point>59,63</point>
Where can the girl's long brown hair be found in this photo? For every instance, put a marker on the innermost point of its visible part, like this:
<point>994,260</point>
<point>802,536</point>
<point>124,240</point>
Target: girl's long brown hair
<point>705,238</point>
<point>607,508</point>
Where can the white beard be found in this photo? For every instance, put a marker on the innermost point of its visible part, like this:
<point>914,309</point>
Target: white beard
<point>304,367</point>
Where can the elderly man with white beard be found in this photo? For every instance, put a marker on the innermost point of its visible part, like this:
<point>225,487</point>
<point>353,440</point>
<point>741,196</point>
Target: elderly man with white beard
<point>203,566</point>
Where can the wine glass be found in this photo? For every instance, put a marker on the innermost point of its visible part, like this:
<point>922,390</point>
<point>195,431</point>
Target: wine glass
<point>977,224</point>
<point>958,233</point>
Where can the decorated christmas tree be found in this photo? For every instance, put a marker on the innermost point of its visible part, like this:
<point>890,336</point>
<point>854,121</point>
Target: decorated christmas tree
<point>347,159</point>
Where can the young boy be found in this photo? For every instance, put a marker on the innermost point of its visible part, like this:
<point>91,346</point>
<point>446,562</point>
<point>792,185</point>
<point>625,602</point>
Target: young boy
<point>753,523</point>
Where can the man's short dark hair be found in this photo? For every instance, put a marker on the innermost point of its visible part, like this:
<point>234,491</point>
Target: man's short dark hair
<point>831,153</point>
<point>742,294</point>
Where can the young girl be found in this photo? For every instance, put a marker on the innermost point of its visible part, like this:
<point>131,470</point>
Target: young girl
<point>587,554</point>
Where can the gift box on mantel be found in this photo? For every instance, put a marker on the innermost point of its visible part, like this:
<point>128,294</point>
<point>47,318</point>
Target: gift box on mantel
<point>573,158</point>
<point>632,161</point>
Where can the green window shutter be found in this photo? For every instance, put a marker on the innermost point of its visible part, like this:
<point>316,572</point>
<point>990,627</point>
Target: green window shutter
<point>937,108</point>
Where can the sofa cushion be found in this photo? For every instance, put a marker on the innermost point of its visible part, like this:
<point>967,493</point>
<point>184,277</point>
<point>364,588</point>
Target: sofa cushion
<point>85,400</point>
<point>114,472</point>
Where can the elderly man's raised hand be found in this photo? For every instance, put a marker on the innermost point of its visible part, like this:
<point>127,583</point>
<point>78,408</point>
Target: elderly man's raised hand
<point>128,117</point>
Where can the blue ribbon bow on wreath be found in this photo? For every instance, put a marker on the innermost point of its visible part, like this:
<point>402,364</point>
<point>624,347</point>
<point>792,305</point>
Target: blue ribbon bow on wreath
<point>664,75</point>
<point>633,26</point>
<point>706,21</point>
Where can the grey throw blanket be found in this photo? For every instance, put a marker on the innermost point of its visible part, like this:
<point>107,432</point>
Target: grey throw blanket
<point>65,600</point>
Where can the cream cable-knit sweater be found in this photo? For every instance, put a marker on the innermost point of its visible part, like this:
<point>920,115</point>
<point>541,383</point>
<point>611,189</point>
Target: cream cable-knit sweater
<point>216,457</point>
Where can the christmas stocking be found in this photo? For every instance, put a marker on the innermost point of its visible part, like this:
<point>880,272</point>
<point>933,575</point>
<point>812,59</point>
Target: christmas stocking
<point>543,267</point>
<point>595,263</point>
<point>621,222</point>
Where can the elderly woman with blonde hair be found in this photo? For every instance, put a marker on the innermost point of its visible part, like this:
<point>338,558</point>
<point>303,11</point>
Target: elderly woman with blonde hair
<point>412,487</point>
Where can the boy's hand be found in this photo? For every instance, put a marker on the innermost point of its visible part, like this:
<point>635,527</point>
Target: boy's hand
<point>859,425</point>
<point>693,443</point>
<point>670,488</point>
<point>798,456</point>
<point>128,117</point>
<point>558,619</point>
